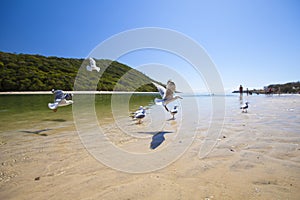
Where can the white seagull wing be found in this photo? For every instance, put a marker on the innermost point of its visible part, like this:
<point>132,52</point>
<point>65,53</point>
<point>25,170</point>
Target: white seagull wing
<point>97,69</point>
<point>161,89</point>
<point>55,104</point>
<point>92,62</point>
<point>171,86</point>
<point>169,94</point>
<point>89,68</point>
<point>58,94</point>
<point>52,106</point>
<point>93,65</point>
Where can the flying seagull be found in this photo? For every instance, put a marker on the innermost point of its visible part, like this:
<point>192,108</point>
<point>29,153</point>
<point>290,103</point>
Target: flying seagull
<point>60,99</point>
<point>92,66</point>
<point>244,107</point>
<point>167,94</point>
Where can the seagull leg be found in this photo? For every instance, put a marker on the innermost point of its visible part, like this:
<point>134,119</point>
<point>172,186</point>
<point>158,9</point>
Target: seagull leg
<point>166,108</point>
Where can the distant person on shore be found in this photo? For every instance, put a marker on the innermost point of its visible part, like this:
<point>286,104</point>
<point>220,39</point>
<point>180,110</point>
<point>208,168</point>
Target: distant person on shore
<point>241,89</point>
<point>270,91</point>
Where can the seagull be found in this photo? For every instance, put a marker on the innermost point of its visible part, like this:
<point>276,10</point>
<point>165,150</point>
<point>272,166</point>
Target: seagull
<point>174,111</point>
<point>60,99</point>
<point>139,114</point>
<point>92,65</point>
<point>136,112</point>
<point>167,94</point>
<point>244,107</point>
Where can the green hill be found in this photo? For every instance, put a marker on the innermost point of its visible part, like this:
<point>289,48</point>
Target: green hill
<point>23,72</point>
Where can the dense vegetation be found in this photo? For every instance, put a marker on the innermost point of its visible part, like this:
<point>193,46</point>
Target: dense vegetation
<point>23,72</point>
<point>292,87</point>
<point>286,88</point>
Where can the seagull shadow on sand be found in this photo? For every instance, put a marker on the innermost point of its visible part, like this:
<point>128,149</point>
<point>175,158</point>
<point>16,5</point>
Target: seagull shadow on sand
<point>55,120</point>
<point>157,139</point>
<point>38,132</point>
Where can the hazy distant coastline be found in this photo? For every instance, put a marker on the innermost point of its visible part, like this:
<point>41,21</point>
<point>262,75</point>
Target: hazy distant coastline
<point>285,88</point>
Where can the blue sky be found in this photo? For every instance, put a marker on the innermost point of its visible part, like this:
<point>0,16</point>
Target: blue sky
<point>251,42</point>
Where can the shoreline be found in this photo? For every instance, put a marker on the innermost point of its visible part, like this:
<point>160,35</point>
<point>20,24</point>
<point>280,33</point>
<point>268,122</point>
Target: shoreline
<point>77,92</point>
<point>120,92</point>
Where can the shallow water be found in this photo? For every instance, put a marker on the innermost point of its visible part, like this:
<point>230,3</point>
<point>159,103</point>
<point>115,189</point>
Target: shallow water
<point>24,111</point>
<point>253,155</point>
<point>30,112</point>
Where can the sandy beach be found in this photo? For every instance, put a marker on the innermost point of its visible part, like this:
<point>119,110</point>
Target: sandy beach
<point>257,156</point>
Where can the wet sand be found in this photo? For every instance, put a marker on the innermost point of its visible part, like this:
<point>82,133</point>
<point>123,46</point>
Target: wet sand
<point>257,157</point>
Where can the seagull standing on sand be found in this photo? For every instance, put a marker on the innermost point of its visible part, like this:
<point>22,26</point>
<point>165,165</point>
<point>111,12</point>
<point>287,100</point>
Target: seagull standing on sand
<point>244,107</point>
<point>140,114</point>
<point>167,94</point>
<point>174,111</point>
<point>136,112</point>
<point>60,99</point>
<point>92,66</point>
